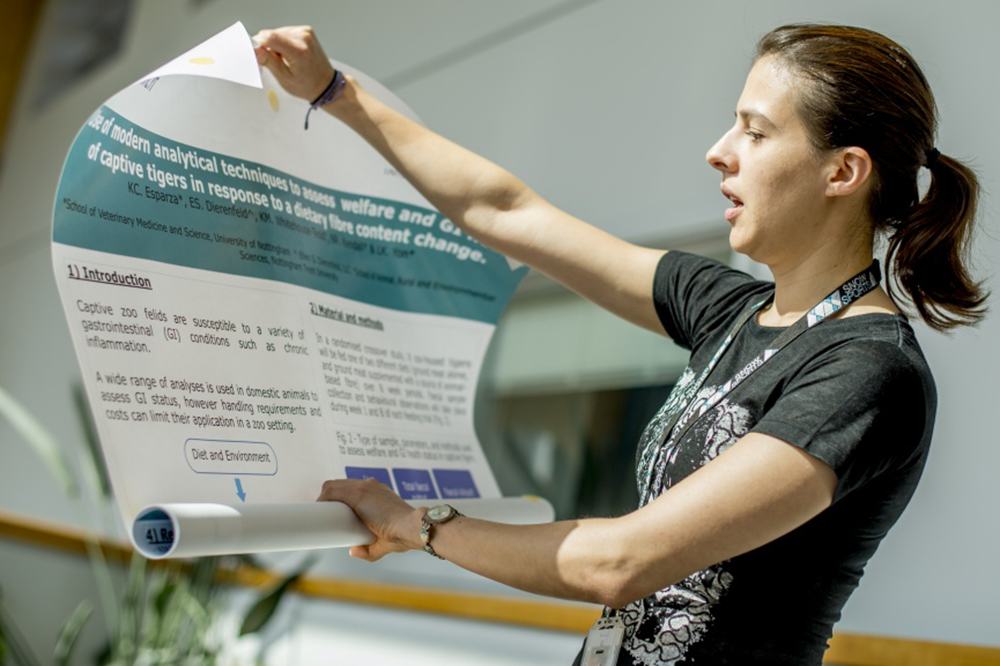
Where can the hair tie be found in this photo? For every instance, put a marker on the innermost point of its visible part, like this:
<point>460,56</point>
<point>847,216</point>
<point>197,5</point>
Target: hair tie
<point>931,157</point>
<point>330,94</point>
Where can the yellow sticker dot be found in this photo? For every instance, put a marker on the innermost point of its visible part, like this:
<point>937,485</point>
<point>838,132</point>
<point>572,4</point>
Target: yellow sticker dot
<point>201,61</point>
<point>272,97</point>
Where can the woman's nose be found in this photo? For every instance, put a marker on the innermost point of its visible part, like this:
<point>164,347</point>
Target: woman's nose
<point>720,156</point>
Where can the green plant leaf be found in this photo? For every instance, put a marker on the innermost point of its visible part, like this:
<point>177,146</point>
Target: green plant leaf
<point>261,612</point>
<point>248,560</point>
<point>3,647</point>
<point>163,596</point>
<point>3,638</point>
<point>104,656</point>
<point>203,578</point>
<point>128,640</point>
<point>17,647</point>
<point>96,465</point>
<point>70,631</point>
<point>41,440</point>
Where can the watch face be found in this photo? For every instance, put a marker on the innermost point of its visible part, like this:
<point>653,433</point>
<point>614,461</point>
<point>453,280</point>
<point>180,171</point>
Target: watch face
<point>439,513</point>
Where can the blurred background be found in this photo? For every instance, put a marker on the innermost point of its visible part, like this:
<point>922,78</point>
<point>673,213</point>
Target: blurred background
<point>606,107</point>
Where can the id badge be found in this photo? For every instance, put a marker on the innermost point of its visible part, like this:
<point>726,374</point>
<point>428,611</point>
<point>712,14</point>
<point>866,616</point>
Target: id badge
<point>604,640</point>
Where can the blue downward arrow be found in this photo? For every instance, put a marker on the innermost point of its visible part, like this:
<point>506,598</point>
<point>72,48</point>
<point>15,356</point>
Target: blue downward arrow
<point>239,491</point>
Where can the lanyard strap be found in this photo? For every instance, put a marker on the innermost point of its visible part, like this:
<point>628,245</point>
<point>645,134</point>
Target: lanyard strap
<point>687,415</point>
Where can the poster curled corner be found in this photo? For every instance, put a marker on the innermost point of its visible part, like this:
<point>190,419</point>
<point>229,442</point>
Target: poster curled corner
<point>513,263</point>
<point>229,56</point>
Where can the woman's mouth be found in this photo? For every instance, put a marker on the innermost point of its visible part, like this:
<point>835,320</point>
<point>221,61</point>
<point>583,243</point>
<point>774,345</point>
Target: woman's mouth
<point>737,208</point>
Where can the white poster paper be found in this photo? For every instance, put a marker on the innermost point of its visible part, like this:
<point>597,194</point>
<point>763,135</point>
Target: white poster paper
<point>257,308</point>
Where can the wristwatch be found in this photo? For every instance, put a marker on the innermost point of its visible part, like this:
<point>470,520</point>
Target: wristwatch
<point>437,515</point>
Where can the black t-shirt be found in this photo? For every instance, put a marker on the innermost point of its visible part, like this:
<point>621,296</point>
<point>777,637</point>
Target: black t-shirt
<point>854,392</point>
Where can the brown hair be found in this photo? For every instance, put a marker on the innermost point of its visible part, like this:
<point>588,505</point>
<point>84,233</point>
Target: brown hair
<point>865,90</point>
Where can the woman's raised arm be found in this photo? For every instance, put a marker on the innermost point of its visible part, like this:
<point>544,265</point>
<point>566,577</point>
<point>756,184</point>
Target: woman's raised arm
<point>484,200</point>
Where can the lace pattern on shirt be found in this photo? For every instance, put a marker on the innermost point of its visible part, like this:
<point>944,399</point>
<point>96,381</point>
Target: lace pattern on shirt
<point>660,628</point>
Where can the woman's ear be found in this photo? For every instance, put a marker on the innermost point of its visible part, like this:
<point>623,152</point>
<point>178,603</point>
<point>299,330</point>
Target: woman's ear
<point>851,170</point>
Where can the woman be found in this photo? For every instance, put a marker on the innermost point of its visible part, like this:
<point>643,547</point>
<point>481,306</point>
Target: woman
<point>797,434</point>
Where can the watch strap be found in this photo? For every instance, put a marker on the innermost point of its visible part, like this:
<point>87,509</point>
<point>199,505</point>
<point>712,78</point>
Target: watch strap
<point>427,527</point>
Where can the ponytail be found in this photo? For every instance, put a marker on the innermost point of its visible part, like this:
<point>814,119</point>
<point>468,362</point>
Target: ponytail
<point>863,89</point>
<point>929,249</point>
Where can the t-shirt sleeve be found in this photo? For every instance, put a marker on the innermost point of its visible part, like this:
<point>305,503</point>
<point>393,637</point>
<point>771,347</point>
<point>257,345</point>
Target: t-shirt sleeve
<point>694,296</point>
<point>860,408</point>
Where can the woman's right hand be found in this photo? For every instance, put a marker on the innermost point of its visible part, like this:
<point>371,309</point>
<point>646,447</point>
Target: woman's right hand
<point>296,58</point>
<point>395,524</point>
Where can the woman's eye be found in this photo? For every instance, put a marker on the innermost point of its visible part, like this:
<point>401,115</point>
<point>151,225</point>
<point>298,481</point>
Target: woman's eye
<point>754,135</point>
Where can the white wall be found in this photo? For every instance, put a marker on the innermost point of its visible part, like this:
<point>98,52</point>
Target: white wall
<point>607,110</point>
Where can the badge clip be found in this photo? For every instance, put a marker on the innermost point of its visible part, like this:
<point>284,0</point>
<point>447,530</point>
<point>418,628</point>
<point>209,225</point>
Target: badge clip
<point>604,640</point>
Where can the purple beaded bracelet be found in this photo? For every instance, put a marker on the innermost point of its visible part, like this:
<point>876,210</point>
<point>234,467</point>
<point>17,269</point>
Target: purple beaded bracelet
<point>331,93</point>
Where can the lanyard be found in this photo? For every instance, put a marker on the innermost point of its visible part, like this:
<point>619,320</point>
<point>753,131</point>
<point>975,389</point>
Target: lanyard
<point>687,415</point>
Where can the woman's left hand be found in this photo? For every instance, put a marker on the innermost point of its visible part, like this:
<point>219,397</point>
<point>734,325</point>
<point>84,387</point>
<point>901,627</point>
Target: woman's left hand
<point>395,524</point>
<point>296,58</point>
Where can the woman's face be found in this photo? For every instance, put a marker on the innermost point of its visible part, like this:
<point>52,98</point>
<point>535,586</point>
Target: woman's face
<point>770,172</point>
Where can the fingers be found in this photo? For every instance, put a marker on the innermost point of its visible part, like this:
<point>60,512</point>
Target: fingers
<point>261,53</point>
<point>275,65</point>
<point>394,523</point>
<point>288,41</point>
<point>296,58</point>
<point>370,553</point>
<point>349,491</point>
<point>277,40</point>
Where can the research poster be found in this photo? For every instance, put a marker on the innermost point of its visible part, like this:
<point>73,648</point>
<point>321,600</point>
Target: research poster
<point>257,307</point>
